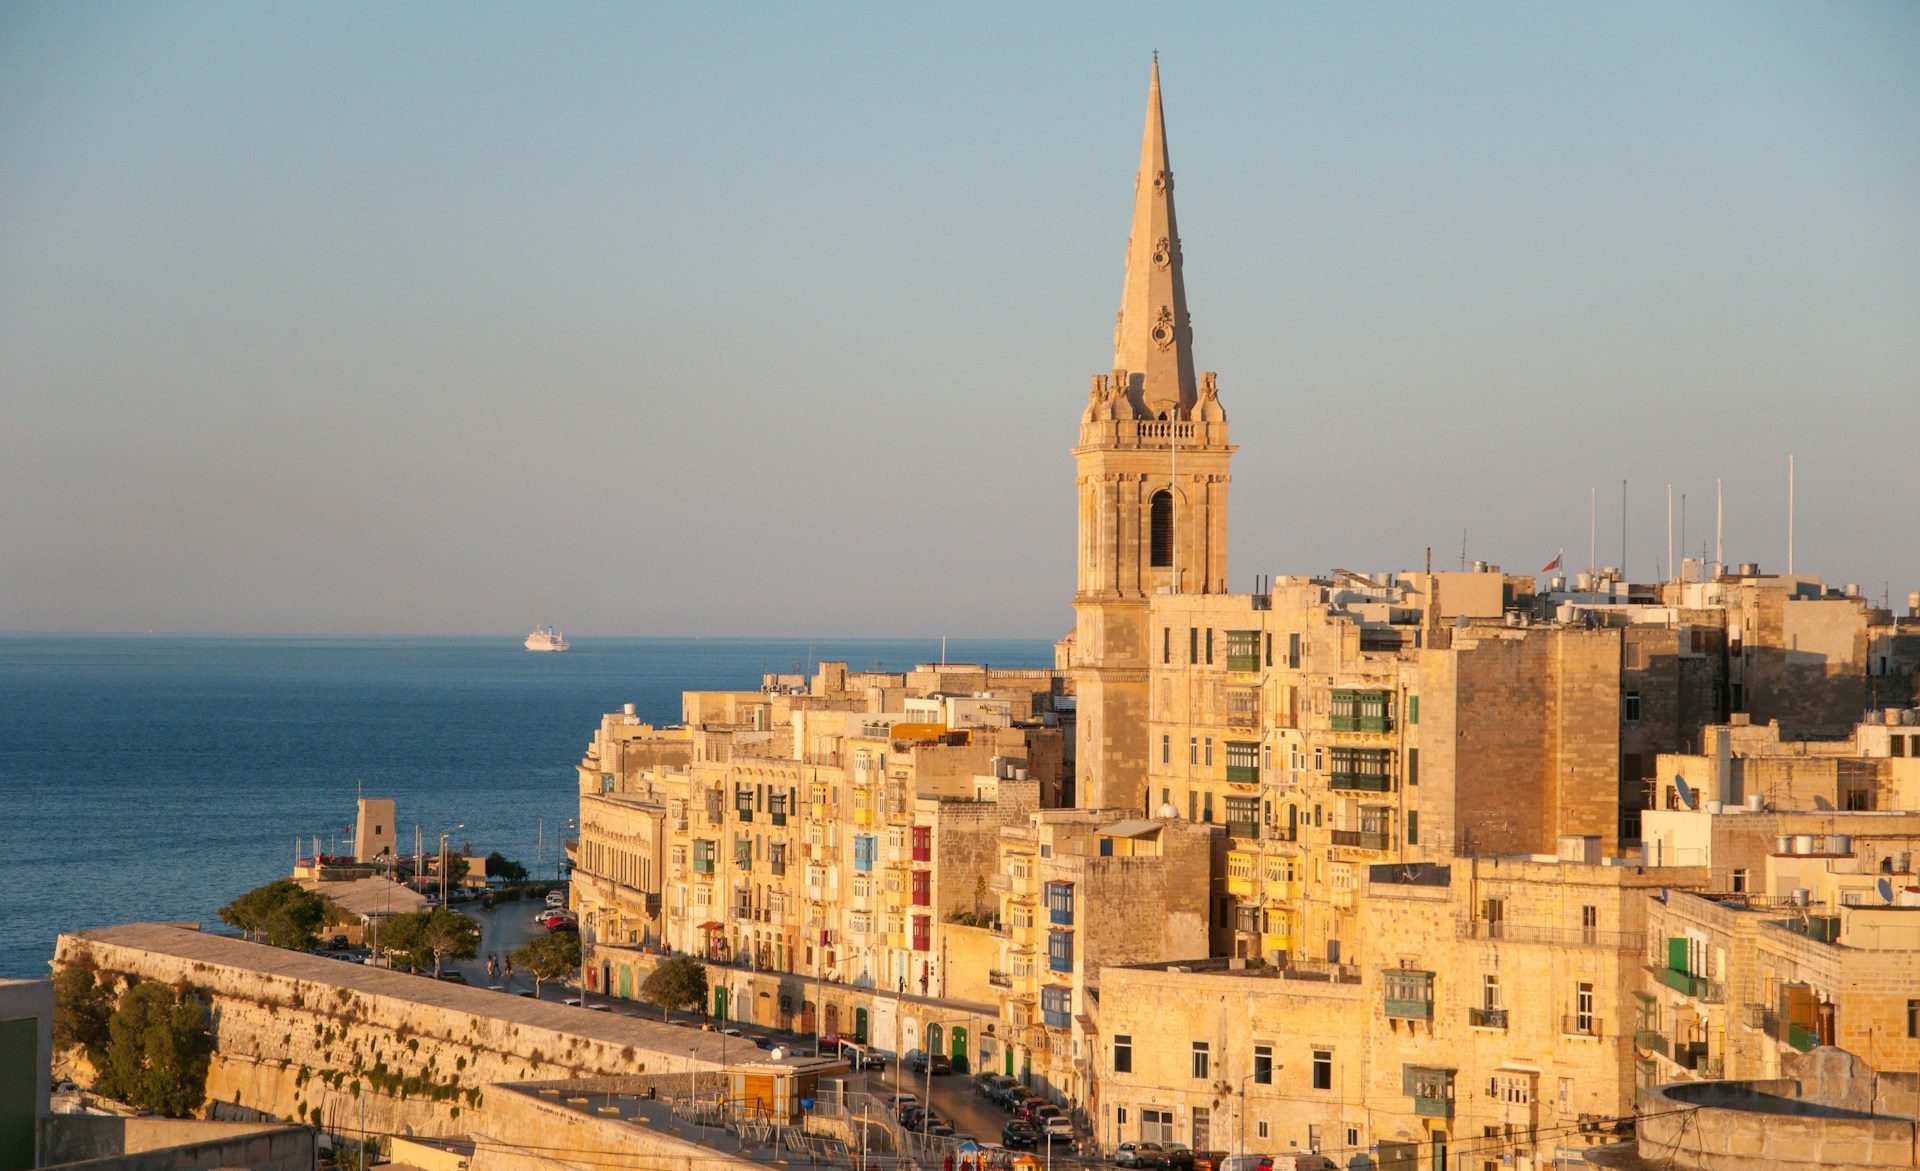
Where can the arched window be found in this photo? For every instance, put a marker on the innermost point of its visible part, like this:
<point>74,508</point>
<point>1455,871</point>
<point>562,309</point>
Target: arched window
<point>1162,526</point>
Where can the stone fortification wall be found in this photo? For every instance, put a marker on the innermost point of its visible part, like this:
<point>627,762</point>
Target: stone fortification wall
<point>1734,1126</point>
<point>317,1040</point>
<point>103,1143</point>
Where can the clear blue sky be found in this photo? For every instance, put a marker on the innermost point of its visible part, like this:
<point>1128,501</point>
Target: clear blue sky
<point>777,319</point>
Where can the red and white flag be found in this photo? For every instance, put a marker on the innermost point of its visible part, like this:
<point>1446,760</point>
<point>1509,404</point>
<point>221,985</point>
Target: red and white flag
<point>1552,565</point>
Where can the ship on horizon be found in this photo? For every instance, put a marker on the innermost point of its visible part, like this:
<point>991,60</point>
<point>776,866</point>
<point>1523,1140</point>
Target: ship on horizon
<point>546,638</point>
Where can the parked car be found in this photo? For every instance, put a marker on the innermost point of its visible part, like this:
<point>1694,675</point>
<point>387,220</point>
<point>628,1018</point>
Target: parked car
<point>1019,1135</point>
<point>571,1001</point>
<point>1059,1126</point>
<point>1302,1162</point>
<point>942,1065</point>
<point>1140,1155</point>
<point>937,1128</point>
<point>1248,1163</point>
<point>556,899</point>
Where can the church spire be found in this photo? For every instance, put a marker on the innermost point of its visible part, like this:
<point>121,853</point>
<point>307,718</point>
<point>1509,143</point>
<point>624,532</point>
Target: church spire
<point>1153,342</point>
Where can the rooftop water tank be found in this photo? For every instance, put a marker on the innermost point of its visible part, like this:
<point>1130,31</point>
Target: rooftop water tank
<point>1801,896</point>
<point>1839,843</point>
<point>1783,844</point>
<point>1803,843</point>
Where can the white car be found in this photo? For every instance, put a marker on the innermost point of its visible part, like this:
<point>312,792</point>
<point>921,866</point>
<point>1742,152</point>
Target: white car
<point>1059,1126</point>
<point>556,899</point>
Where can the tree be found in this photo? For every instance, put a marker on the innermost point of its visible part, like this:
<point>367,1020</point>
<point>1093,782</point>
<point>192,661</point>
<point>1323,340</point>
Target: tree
<point>159,1046</point>
<point>437,932</point>
<point>282,913</point>
<point>503,867</point>
<point>679,982</point>
<point>82,1008</point>
<point>550,957</point>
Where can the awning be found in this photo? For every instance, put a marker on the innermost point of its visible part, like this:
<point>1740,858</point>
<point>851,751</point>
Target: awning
<point>711,925</point>
<point>1136,828</point>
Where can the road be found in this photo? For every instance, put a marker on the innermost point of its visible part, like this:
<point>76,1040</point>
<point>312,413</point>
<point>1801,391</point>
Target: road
<point>504,928</point>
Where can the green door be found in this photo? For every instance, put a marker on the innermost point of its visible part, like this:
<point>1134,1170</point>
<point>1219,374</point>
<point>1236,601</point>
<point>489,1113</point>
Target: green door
<point>959,1049</point>
<point>720,1003</point>
<point>1677,953</point>
<point>860,1025</point>
<point>1009,1061</point>
<point>626,983</point>
<point>20,1063</point>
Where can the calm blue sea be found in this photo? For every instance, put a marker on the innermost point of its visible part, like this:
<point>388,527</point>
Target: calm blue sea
<point>155,778</point>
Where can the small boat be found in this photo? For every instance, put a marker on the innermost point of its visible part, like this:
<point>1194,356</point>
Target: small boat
<point>546,638</point>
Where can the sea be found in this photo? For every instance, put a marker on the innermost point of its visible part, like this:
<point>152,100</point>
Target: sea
<point>155,778</point>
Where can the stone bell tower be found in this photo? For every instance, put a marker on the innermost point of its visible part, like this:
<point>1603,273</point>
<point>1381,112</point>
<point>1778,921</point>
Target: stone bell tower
<point>1151,470</point>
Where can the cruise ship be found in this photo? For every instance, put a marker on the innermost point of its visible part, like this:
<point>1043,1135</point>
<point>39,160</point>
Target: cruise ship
<point>546,638</point>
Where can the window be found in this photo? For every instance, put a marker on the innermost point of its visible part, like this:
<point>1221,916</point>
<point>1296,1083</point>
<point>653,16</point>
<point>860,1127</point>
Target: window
<point>922,933</point>
<point>1156,1126</point>
<point>863,852</point>
<point>1202,1061</point>
<point>1193,644</point>
<point>1630,707</point>
<point>1413,766</point>
<point>1739,878</point>
<point>1123,1053</point>
<point>1323,1069</point>
<point>1060,951</point>
<point>1293,650</point>
<point>1166,749</point>
<point>1193,750</point>
<point>922,889</point>
<point>1263,1065</point>
<point>1413,709</point>
<point>1206,803</point>
<point>1583,1009</point>
<point>1059,899</point>
<point>1055,1007</point>
<point>1209,645</point>
<point>1261,1127</point>
<point>1209,752</point>
<point>1589,923</point>
<point>1913,1018</point>
<point>1161,529</point>
<point>1413,827</point>
<point>1166,644</point>
<point>1269,658</point>
<point>1490,991</point>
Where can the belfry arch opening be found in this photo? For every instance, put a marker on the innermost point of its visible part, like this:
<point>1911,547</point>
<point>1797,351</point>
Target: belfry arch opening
<point>1160,536</point>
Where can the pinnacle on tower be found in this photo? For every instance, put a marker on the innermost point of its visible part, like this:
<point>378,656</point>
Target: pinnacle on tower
<point>1153,341</point>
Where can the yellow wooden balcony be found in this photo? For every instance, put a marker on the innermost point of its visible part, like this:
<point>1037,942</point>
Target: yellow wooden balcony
<point>1240,873</point>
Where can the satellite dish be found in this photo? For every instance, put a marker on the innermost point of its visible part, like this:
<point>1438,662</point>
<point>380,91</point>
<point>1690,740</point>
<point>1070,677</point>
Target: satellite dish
<point>1686,794</point>
<point>1885,886</point>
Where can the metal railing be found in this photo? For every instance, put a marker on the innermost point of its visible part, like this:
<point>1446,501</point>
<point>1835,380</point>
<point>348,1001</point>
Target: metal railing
<point>1556,936</point>
<point>1580,1025</point>
<point>1487,1018</point>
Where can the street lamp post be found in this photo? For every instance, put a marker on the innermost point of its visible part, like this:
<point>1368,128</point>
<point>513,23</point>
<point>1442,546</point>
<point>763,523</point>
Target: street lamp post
<point>1243,1104</point>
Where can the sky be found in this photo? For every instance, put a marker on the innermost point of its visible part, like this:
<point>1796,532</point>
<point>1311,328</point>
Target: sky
<point>777,320</point>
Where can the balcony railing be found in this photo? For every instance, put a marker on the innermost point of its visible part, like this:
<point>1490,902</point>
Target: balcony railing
<point>1653,1041</point>
<point>1360,838</point>
<point>1360,782</point>
<point>1487,1018</point>
<point>1243,774</point>
<point>1362,723</point>
<point>1688,984</point>
<point>1243,829</point>
<point>1802,1038</point>
<point>1580,1025</point>
<point>703,866</point>
<point>1243,662</point>
<point>1626,941</point>
<point>1000,979</point>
